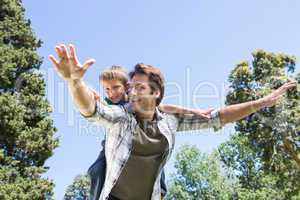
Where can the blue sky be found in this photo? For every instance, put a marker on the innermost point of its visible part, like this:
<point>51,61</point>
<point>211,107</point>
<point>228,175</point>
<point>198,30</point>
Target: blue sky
<point>195,43</point>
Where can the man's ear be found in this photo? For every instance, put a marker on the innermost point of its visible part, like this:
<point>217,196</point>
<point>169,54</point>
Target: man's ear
<point>157,94</point>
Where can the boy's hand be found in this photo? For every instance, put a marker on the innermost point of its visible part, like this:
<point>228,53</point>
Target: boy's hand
<point>96,95</point>
<point>68,66</point>
<point>203,113</point>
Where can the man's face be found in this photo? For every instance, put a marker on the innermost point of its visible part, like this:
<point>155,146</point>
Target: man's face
<point>141,97</point>
<point>115,90</point>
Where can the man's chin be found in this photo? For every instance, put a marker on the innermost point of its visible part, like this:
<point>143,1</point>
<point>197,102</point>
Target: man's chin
<point>138,109</point>
<point>134,106</point>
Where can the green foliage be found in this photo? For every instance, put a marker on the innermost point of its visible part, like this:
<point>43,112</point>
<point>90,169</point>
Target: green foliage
<point>246,162</point>
<point>265,150</point>
<point>79,189</point>
<point>26,129</point>
<point>201,176</point>
<point>261,160</point>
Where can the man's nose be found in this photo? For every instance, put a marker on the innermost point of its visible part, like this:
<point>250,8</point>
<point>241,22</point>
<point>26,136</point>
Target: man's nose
<point>132,91</point>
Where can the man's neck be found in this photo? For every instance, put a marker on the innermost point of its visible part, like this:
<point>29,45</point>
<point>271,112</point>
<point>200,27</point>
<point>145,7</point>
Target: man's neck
<point>148,115</point>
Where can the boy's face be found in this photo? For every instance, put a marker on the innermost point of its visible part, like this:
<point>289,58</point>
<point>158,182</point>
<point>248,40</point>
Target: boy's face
<point>115,90</point>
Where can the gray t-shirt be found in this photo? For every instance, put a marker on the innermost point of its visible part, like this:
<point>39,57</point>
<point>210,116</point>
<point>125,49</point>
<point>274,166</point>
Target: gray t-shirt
<point>138,176</point>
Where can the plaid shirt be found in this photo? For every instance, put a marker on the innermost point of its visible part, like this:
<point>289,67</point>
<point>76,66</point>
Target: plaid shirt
<point>121,125</point>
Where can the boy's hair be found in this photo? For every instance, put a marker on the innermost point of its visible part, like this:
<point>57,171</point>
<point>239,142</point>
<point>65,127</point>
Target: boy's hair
<point>114,72</point>
<point>156,79</point>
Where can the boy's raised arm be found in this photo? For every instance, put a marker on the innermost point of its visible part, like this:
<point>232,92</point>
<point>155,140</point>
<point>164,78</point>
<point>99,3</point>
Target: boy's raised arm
<point>83,97</point>
<point>69,69</point>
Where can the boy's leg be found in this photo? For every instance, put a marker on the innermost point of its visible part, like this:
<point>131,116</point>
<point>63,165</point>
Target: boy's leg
<point>163,184</point>
<point>97,176</point>
<point>112,197</point>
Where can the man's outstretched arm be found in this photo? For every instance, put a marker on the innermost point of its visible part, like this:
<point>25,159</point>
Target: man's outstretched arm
<point>239,111</point>
<point>174,109</point>
<point>219,117</point>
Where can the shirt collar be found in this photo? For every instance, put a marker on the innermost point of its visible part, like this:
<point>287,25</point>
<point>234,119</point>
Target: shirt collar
<point>158,114</point>
<point>109,102</point>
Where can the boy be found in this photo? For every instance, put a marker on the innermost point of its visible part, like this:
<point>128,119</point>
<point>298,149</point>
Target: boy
<point>115,84</point>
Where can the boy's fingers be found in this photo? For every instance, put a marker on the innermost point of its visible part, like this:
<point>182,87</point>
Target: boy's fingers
<point>62,51</point>
<point>55,63</point>
<point>96,96</point>
<point>65,51</point>
<point>53,60</point>
<point>59,52</point>
<point>73,55</point>
<point>210,109</point>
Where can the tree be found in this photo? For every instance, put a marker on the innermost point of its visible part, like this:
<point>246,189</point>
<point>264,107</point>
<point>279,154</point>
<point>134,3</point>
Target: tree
<point>266,144</point>
<point>79,189</point>
<point>201,176</point>
<point>247,166</point>
<point>26,130</point>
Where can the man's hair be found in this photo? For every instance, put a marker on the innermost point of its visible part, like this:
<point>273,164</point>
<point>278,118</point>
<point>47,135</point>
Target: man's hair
<point>114,72</point>
<point>156,79</point>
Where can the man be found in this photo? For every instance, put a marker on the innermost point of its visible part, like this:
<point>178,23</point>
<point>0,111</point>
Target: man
<point>141,139</point>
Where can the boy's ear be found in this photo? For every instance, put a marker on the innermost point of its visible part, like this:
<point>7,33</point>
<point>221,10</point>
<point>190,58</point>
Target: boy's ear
<point>127,86</point>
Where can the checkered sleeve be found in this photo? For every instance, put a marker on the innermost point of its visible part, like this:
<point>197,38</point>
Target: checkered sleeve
<point>105,115</point>
<point>188,122</point>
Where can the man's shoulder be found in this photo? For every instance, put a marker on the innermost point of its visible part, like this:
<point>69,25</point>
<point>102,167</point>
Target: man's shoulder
<point>167,117</point>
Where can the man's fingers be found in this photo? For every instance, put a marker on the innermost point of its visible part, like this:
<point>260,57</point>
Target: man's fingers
<point>87,64</point>
<point>292,84</point>
<point>284,88</point>
<point>277,98</point>
<point>73,55</point>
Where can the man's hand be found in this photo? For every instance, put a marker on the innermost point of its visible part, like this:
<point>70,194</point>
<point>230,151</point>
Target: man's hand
<point>239,111</point>
<point>68,66</point>
<point>271,99</point>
